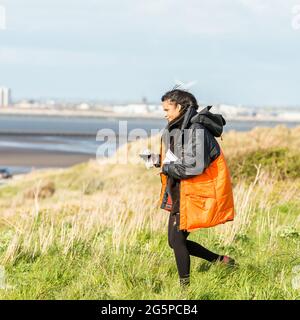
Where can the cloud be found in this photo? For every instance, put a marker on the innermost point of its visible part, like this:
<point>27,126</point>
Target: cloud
<point>267,6</point>
<point>147,42</point>
<point>156,18</point>
<point>53,57</point>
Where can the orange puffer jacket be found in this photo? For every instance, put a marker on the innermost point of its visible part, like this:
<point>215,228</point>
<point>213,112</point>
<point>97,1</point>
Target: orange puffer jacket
<point>206,199</point>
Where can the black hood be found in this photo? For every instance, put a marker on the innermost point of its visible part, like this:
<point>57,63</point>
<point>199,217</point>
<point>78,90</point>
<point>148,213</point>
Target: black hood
<point>214,122</point>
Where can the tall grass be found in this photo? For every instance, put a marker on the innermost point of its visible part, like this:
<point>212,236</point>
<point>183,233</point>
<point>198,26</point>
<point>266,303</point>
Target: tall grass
<point>100,234</point>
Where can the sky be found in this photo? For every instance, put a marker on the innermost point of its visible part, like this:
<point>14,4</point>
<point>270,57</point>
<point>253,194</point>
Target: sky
<point>237,51</point>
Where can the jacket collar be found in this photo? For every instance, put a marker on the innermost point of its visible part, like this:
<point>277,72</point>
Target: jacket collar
<point>182,121</point>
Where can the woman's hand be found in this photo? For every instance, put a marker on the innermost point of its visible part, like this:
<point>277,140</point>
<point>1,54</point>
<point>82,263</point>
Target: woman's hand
<point>165,168</point>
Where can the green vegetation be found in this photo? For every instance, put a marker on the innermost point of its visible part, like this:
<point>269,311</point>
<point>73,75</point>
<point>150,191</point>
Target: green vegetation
<point>282,162</point>
<point>95,231</point>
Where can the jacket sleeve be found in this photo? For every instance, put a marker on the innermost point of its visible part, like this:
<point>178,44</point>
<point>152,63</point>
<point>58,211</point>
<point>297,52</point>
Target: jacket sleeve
<point>200,141</point>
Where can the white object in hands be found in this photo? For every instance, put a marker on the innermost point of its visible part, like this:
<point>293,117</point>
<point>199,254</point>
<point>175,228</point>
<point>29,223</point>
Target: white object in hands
<point>146,156</point>
<point>170,156</point>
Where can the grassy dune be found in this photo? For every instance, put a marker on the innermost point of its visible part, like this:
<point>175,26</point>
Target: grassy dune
<point>95,231</point>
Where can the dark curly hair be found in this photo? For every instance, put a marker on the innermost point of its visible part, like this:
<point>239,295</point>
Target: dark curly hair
<point>182,97</point>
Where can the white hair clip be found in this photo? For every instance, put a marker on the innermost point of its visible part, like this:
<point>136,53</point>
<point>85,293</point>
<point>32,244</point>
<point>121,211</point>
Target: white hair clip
<point>184,86</point>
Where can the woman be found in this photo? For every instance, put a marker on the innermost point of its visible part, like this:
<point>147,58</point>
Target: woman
<point>196,188</point>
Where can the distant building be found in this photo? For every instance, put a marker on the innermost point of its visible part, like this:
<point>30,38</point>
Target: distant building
<point>83,106</point>
<point>228,110</point>
<point>5,97</point>
<point>131,109</point>
<point>290,116</point>
<point>26,104</point>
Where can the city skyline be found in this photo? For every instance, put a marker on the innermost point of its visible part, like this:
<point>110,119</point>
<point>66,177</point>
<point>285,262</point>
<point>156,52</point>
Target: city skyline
<point>143,100</point>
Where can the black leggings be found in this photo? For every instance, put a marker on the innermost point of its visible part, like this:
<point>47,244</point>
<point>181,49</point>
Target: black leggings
<point>183,248</point>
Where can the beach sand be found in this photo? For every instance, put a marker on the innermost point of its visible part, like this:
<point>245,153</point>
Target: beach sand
<point>10,157</point>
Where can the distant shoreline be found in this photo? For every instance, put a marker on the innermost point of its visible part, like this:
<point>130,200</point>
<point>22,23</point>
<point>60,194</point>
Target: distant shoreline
<point>75,113</point>
<point>53,134</point>
<point>38,159</point>
<point>102,114</point>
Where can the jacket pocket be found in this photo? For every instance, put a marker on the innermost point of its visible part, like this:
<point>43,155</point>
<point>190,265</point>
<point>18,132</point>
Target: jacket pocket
<point>204,189</point>
<point>200,211</point>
